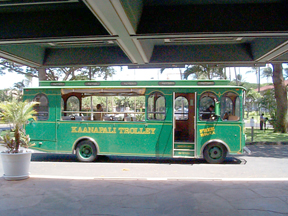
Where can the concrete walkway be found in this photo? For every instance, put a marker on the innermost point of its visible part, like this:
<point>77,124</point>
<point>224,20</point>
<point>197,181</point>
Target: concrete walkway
<point>104,197</point>
<point>123,188</point>
<point>92,197</point>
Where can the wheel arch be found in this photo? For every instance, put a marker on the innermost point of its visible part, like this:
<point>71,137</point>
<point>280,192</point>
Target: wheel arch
<point>214,141</point>
<point>81,139</point>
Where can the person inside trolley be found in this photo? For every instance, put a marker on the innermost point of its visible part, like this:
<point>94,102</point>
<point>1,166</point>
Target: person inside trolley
<point>209,112</point>
<point>98,116</point>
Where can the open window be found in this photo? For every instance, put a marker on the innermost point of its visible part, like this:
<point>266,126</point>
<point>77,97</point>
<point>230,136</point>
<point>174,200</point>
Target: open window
<point>103,104</point>
<point>207,106</point>
<point>181,108</point>
<point>156,106</point>
<point>73,108</point>
<point>230,107</point>
<point>42,108</point>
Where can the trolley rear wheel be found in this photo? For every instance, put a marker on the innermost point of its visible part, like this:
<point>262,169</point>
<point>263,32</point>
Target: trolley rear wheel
<point>215,153</point>
<point>86,151</point>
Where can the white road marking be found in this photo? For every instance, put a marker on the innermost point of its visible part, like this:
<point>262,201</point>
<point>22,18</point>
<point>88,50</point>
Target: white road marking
<point>157,179</point>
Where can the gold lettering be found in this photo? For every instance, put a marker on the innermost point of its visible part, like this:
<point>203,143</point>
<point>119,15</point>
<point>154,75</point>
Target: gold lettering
<point>80,130</point>
<point>85,130</point>
<point>105,130</point>
<point>126,131</point>
<point>121,130</point>
<point>134,130</point>
<point>111,131</point>
<point>152,130</point>
<point>74,130</point>
<point>147,131</point>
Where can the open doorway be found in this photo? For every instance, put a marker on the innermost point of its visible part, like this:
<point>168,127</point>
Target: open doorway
<point>184,117</point>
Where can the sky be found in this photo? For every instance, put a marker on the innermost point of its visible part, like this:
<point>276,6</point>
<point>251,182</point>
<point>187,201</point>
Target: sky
<point>8,80</point>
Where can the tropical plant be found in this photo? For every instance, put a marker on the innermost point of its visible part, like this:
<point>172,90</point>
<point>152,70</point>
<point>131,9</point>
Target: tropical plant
<point>252,97</point>
<point>17,114</point>
<point>204,72</point>
<point>6,95</point>
<point>268,102</point>
<point>267,72</point>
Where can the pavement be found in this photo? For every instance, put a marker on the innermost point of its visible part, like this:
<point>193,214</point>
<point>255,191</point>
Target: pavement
<point>39,196</point>
<point>243,185</point>
<point>59,185</point>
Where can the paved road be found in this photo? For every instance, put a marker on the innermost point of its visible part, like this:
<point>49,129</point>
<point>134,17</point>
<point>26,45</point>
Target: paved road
<point>55,197</point>
<point>266,162</point>
<point>243,185</point>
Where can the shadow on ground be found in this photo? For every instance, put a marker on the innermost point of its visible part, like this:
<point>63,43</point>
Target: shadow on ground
<point>48,157</point>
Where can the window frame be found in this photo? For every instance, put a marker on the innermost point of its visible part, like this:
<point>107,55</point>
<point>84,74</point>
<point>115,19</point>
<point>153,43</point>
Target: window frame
<point>185,115</point>
<point>37,107</point>
<point>214,99</point>
<point>154,112</point>
<point>232,115</point>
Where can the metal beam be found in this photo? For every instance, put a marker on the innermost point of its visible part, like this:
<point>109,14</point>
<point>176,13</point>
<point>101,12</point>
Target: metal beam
<point>113,17</point>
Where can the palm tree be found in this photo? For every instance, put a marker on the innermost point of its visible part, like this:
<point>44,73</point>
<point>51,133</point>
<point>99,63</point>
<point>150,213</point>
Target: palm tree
<point>204,72</point>
<point>252,97</point>
<point>17,113</point>
<point>256,70</point>
<point>267,72</point>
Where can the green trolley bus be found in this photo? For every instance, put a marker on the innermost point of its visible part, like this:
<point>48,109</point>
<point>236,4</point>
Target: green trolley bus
<point>177,119</point>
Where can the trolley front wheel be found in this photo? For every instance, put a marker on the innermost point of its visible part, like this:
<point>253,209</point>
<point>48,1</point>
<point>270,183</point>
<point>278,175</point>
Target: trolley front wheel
<point>86,151</point>
<point>215,153</point>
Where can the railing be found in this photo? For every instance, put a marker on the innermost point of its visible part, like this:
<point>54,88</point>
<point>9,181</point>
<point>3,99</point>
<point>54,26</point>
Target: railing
<point>105,116</point>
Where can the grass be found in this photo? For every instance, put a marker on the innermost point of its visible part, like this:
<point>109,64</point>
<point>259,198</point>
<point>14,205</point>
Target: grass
<point>266,136</point>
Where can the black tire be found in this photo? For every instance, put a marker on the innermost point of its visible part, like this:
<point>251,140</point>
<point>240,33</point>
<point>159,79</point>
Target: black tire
<point>215,153</point>
<point>86,151</point>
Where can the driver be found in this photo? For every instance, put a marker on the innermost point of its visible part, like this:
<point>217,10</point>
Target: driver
<point>208,112</point>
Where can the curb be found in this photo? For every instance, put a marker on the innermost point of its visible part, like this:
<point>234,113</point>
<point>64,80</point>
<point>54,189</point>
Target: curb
<point>156,179</point>
<point>266,143</point>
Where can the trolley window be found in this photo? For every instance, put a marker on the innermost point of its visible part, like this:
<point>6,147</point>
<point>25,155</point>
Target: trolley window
<point>42,108</point>
<point>156,106</point>
<point>230,107</point>
<point>181,108</point>
<point>207,106</point>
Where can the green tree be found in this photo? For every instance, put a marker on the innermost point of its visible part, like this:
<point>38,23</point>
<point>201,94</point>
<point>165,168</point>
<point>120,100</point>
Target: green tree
<point>6,95</point>
<point>256,70</point>
<point>281,98</point>
<point>63,73</point>
<point>252,97</point>
<point>204,72</point>
<point>268,102</point>
<point>266,72</point>
<point>97,72</point>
